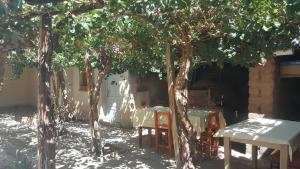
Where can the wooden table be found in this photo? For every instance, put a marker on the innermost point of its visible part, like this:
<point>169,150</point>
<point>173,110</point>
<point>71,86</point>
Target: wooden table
<point>145,117</point>
<point>282,135</point>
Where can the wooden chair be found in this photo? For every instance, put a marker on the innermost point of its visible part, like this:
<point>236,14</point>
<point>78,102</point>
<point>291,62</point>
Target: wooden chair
<point>295,163</point>
<point>163,125</point>
<point>209,144</point>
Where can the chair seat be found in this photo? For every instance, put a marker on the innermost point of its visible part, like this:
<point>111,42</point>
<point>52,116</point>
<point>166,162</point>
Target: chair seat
<point>295,163</point>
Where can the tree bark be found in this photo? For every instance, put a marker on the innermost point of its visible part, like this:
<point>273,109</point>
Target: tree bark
<point>46,123</point>
<point>94,97</point>
<point>172,103</point>
<point>185,130</point>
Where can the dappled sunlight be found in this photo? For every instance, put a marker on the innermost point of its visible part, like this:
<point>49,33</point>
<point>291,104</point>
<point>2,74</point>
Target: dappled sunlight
<point>258,128</point>
<point>234,154</point>
<point>111,114</point>
<point>272,133</point>
<point>120,147</point>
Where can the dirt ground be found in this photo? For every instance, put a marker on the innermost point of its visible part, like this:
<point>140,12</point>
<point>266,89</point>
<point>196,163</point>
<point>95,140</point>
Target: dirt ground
<point>18,149</point>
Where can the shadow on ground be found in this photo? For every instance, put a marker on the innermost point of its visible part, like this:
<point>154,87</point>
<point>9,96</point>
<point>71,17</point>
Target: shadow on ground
<point>18,142</point>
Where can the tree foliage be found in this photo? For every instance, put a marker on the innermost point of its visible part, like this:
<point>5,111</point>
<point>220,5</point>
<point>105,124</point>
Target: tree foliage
<point>239,32</point>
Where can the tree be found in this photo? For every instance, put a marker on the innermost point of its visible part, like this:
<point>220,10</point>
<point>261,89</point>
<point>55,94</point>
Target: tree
<point>238,32</point>
<point>11,20</point>
<point>46,125</point>
<point>104,43</point>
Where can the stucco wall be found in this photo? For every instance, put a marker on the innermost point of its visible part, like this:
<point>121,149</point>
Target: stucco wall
<point>21,91</point>
<point>81,98</point>
<point>118,98</point>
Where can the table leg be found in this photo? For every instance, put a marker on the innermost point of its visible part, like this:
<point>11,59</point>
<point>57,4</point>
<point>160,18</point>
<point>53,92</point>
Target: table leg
<point>284,157</point>
<point>254,157</point>
<point>227,153</point>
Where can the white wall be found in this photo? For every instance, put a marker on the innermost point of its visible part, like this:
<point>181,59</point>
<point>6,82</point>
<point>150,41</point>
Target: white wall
<point>117,99</point>
<point>114,98</point>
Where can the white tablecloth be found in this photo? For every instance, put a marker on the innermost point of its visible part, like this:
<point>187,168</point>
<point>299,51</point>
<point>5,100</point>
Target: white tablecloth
<point>144,117</point>
<point>273,131</point>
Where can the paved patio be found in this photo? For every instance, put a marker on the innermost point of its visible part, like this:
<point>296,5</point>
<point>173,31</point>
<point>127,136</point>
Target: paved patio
<point>18,148</point>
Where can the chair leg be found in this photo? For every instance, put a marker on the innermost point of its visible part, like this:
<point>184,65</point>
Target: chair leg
<point>271,165</point>
<point>170,146</point>
<point>150,136</point>
<point>274,165</point>
<point>157,134</point>
<point>215,149</point>
<point>140,130</point>
<point>209,148</point>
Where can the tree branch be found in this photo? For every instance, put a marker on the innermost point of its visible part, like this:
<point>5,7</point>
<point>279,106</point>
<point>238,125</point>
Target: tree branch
<point>39,2</point>
<point>78,11</point>
<point>21,44</point>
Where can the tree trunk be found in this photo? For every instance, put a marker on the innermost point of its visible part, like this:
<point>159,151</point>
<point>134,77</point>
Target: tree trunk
<point>60,99</point>
<point>185,130</point>
<point>94,97</point>
<point>3,55</point>
<point>172,103</point>
<point>62,87</point>
<point>46,123</point>
<point>64,95</point>
<point>55,90</point>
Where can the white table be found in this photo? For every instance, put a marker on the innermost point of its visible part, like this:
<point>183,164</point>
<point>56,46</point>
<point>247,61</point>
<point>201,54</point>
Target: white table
<point>282,135</point>
<point>144,117</point>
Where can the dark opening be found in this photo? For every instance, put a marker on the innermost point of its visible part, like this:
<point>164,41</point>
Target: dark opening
<point>229,87</point>
<point>289,100</point>
<point>289,87</point>
<point>229,91</point>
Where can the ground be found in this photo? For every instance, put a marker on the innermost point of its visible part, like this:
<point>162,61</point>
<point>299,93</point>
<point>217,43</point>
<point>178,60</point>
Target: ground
<point>18,148</point>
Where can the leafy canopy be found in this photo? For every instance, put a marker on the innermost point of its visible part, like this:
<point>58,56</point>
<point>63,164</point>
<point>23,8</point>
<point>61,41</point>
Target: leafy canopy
<point>234,31</point>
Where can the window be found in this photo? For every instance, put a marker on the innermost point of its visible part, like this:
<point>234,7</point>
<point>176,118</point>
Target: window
<point>83,86</point>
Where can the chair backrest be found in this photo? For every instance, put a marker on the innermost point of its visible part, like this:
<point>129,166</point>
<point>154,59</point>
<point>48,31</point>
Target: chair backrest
<point>213,121</point>
<point>162,120</point>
